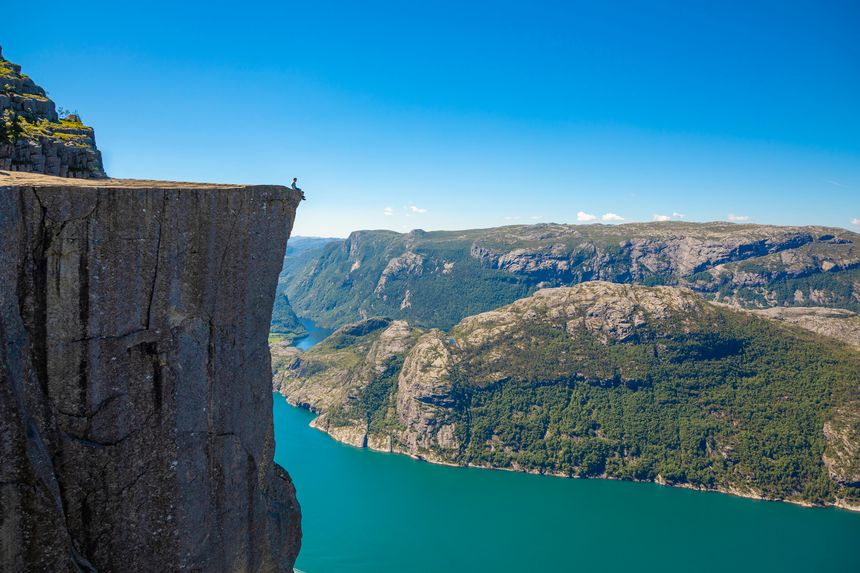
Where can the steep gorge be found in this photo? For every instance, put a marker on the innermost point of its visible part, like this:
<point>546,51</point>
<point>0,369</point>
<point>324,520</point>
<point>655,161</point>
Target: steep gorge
<point>135,389</point>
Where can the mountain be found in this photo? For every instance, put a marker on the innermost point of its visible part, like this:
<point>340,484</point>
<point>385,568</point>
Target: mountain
<point>285,324</point>
<point>600,380</point>
<point>136,429</point>
<point>301,247</point>
<point>35,138</point>
<point>435,279</point>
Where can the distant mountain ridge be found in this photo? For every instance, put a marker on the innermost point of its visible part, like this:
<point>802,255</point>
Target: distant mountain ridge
<point>435,279</point>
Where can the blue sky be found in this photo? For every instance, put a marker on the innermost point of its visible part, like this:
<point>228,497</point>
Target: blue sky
<point>446,115</point>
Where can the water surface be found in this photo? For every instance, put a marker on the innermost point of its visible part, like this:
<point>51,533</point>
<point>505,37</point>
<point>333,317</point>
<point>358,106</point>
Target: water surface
<point>369,512</point>
<point>315,334</point>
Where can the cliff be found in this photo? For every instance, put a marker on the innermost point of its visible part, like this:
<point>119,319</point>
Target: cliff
<point>600,380</point>
<point>35,138</point>
<point>135,389</point>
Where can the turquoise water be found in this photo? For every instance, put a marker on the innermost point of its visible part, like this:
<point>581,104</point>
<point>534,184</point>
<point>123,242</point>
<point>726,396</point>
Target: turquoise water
<point>315,334</point>
<point>369,512</point>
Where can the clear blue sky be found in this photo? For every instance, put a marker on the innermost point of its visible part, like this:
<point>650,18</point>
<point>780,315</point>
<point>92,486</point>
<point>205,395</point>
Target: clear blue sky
<point>471,114</point>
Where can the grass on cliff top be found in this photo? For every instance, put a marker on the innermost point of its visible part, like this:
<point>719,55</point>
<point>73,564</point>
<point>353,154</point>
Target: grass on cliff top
<point>276,337</point>
<point>70,124</point>
<point>55,130</point>
<point>5,70</point>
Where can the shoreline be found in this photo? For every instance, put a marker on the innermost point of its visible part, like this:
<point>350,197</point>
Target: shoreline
<point>736,492</point>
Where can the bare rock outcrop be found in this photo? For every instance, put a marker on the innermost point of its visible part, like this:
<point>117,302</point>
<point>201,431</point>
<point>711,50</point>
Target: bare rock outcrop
<point>135,394</point>
<point>834,322</point>
<point>424,397</point>
<point>408,264</point>
<point>35,138</point>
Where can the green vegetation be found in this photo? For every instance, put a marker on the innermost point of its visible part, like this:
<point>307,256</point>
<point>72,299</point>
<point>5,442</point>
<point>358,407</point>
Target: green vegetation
<point>334,295</point>
<point>740,403</point>
<point>705,396</point>
<point>11,128</point>
<point>373,404</point>
<point>68,132</point>
<point>19,122</point>
<point>435,279</point>
<point>72,124</point>
<point>284,320</point>
<point>285,323</point>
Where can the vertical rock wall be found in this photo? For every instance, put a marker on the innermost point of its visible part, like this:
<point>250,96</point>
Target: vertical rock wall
<point>135,388</point>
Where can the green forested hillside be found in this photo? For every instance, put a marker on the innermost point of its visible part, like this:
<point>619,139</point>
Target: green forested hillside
<point>603,380</point>
<point>285,323</point>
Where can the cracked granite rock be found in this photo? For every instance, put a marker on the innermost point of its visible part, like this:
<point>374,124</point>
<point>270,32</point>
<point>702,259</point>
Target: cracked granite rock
<point>135,389</point>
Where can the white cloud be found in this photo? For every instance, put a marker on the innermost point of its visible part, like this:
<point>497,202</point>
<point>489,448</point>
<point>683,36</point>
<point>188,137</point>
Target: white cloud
<point>509,218</point>
<point>388,211</point>
<point>536,217</point>
<point>739,218</point>
<point>856,221</point>
<point>415,209</point>
<point>674,216</point>
<point>612,217</point>
<point>584,217</point>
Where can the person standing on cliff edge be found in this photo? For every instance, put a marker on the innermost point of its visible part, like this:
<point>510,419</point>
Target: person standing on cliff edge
<point>297,188</point>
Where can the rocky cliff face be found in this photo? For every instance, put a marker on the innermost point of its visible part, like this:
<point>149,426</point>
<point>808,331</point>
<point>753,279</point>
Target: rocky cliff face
<point>33,137</point>
<point>601,380</point>
<point>135,394</point>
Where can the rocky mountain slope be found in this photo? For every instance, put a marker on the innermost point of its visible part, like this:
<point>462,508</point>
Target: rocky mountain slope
<point>285,324</point>
<point>435,279</point>
<point>34,138</point>
<point>135,388</point>
<point>837,323</point>
<point>600,380</point>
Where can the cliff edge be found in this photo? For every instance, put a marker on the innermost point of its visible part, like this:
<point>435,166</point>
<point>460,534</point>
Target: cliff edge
<point>135,388</point>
